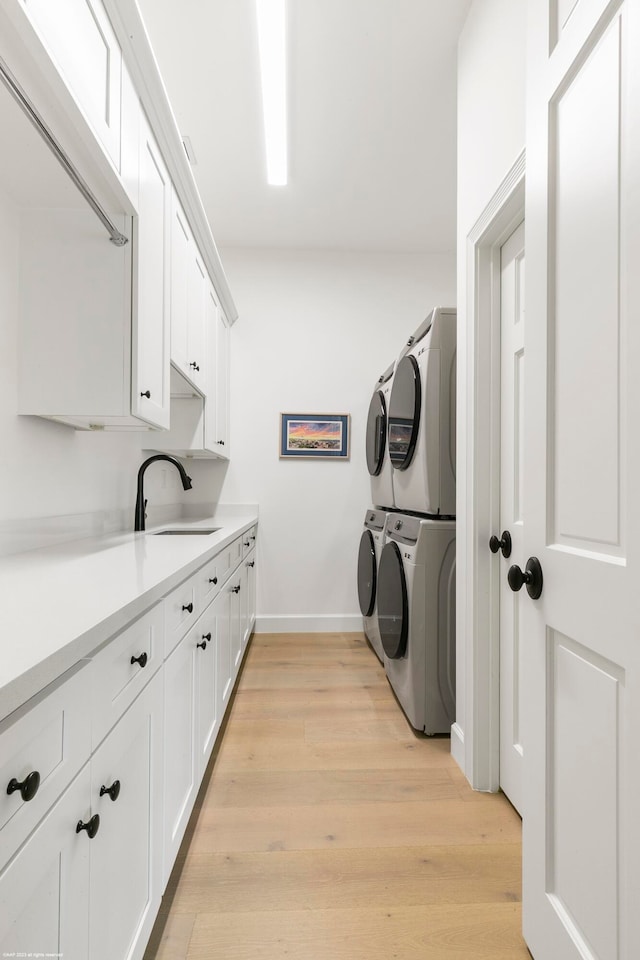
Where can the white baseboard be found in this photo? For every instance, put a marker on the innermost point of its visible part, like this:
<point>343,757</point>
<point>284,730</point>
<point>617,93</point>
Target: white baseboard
<point>310,623</point>
<point>457,745</point>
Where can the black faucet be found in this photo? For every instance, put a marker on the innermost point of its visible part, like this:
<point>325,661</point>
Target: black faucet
<point>141,503</point>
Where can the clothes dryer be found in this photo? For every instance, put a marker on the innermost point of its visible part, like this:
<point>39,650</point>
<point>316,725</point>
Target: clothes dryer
<point>371,544</point>
<point>422,419</point>
<point>378,462</point>
<point>416,616</point>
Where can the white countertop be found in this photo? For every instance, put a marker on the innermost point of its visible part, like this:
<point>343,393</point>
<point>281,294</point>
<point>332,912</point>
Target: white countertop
<point>60,603</point>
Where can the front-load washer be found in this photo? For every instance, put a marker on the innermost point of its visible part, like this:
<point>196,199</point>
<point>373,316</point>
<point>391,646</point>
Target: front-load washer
<point>422,419</point>
<point>371,544</point>
<point>378,462</point>
<point>416,616</point>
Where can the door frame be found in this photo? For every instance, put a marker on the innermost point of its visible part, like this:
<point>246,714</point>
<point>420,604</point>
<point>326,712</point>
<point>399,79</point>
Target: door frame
<point>478,746</point>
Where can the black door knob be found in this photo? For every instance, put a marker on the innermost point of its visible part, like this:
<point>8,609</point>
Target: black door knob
<point>504,544</point>
<point>113,791</point>
<point>27,787</point>
<point>91,826</point>
<point>147,394</point>
<point>188,607</point>
<point>142,660</point>
<point>532,578</point>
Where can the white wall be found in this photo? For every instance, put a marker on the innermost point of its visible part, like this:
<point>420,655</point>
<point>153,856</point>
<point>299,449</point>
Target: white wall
<point>491,135</point>
<point>315,331</point>
<point>48,470</point>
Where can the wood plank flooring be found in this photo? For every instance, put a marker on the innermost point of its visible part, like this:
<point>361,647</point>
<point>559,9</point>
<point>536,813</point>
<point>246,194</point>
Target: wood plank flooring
<point>326,829</point>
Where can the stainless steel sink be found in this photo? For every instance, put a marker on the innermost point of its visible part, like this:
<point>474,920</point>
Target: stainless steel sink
<point>201,532</point>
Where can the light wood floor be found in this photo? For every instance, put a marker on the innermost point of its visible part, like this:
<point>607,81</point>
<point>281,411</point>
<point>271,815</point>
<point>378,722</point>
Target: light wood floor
<point>327,829</point>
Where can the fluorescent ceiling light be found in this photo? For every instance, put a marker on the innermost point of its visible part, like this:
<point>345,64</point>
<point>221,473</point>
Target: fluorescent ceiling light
<point>272,46</point>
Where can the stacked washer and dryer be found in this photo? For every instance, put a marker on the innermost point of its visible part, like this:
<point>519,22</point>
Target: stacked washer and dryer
<point>406,560</point>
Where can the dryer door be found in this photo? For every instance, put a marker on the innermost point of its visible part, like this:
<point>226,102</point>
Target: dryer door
<point>367,574</point>
<point>404,412</point>
<point>376,433</point>
<point>393,607</point>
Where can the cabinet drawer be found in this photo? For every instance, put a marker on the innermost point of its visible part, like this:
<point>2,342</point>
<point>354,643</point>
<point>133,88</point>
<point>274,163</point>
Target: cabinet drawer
<point>249,540</point>
<point>123,667</point>
<point>235,553</point>
<point>182,608</point>
<point>50,738</point>
<point>213,575</point>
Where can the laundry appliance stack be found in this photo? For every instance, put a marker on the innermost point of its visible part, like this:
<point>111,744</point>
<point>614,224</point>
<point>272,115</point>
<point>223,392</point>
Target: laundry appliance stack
<point>406,560</point>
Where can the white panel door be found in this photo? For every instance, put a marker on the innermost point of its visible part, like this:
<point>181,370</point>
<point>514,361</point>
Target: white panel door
<point>512,322</point>
<point>581,646</point>
<point>207,712</point>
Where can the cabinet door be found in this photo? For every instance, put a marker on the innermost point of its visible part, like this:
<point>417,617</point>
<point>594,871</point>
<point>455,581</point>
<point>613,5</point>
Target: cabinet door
<point>180,255</point>
<point>197,361</point>
<point>81,42</point>
<point>251,595</point>
<point>44,891</point>
<point>125,888</point>
<point>211,353</point>
<point>235,618</point>
<point>223,621</point>
<point>222,388</point>
<point>180,774</point>
<point>207,713</point>
<point>150,368</point>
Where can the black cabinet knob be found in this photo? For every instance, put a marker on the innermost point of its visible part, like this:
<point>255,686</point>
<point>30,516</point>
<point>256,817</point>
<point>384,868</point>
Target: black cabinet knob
<point>213,580</point>
<point>194,366</point>
<point>147,394</point>
<point>188,606</point>
<point>235,589</point>
<point>91,826</point>
<point>221,442</point>
<point>247,543</point>
<point>531,578</point>
<point>142,660</point>
<point>252,537</point>
<point>113,791</point>
<point>27,787</point>
<point>251,563</point>
<point>504,544</point>
<point>203,645</point>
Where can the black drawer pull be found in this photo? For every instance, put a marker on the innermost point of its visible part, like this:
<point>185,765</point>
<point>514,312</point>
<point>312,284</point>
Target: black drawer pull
<point>142,660</point>
<point>213,580</point>
<point>235,589</point>
<point>113,791</point>
<point>188,606</point>
<point>251,563</point>
<point>247,543</point>
<point>205,637</point>
<point>252,537</point>
<point>91,826</point>
<point>28,788</point>
<point>194,366</point>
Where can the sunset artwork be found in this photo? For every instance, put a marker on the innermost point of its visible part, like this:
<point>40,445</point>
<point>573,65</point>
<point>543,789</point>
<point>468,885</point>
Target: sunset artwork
<point>314,435</point>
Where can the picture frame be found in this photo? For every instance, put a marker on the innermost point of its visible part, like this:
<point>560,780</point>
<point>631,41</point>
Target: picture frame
<point>314,436</point>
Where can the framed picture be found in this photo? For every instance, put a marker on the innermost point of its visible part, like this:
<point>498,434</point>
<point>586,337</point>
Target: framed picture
<point>314,435</point>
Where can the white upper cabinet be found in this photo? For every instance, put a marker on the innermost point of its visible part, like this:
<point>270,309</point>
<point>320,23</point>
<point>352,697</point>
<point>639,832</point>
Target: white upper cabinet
<point>94,335</point>
<point>222,387</point>
<point>81,42</point>
<point>188,285</point>
<point>150,379</point>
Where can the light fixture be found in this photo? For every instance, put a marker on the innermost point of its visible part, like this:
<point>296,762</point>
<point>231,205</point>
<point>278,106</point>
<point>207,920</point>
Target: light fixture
<point>273,71</point>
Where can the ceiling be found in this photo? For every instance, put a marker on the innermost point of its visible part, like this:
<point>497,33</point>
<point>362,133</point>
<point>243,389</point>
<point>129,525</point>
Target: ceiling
<point>372,120</point>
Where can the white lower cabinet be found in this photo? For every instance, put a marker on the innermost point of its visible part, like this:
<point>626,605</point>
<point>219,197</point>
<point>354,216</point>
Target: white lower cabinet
<point>44,889</point>
<point>85,853</point>
<point>180,775</point>
<point>126,790</point>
